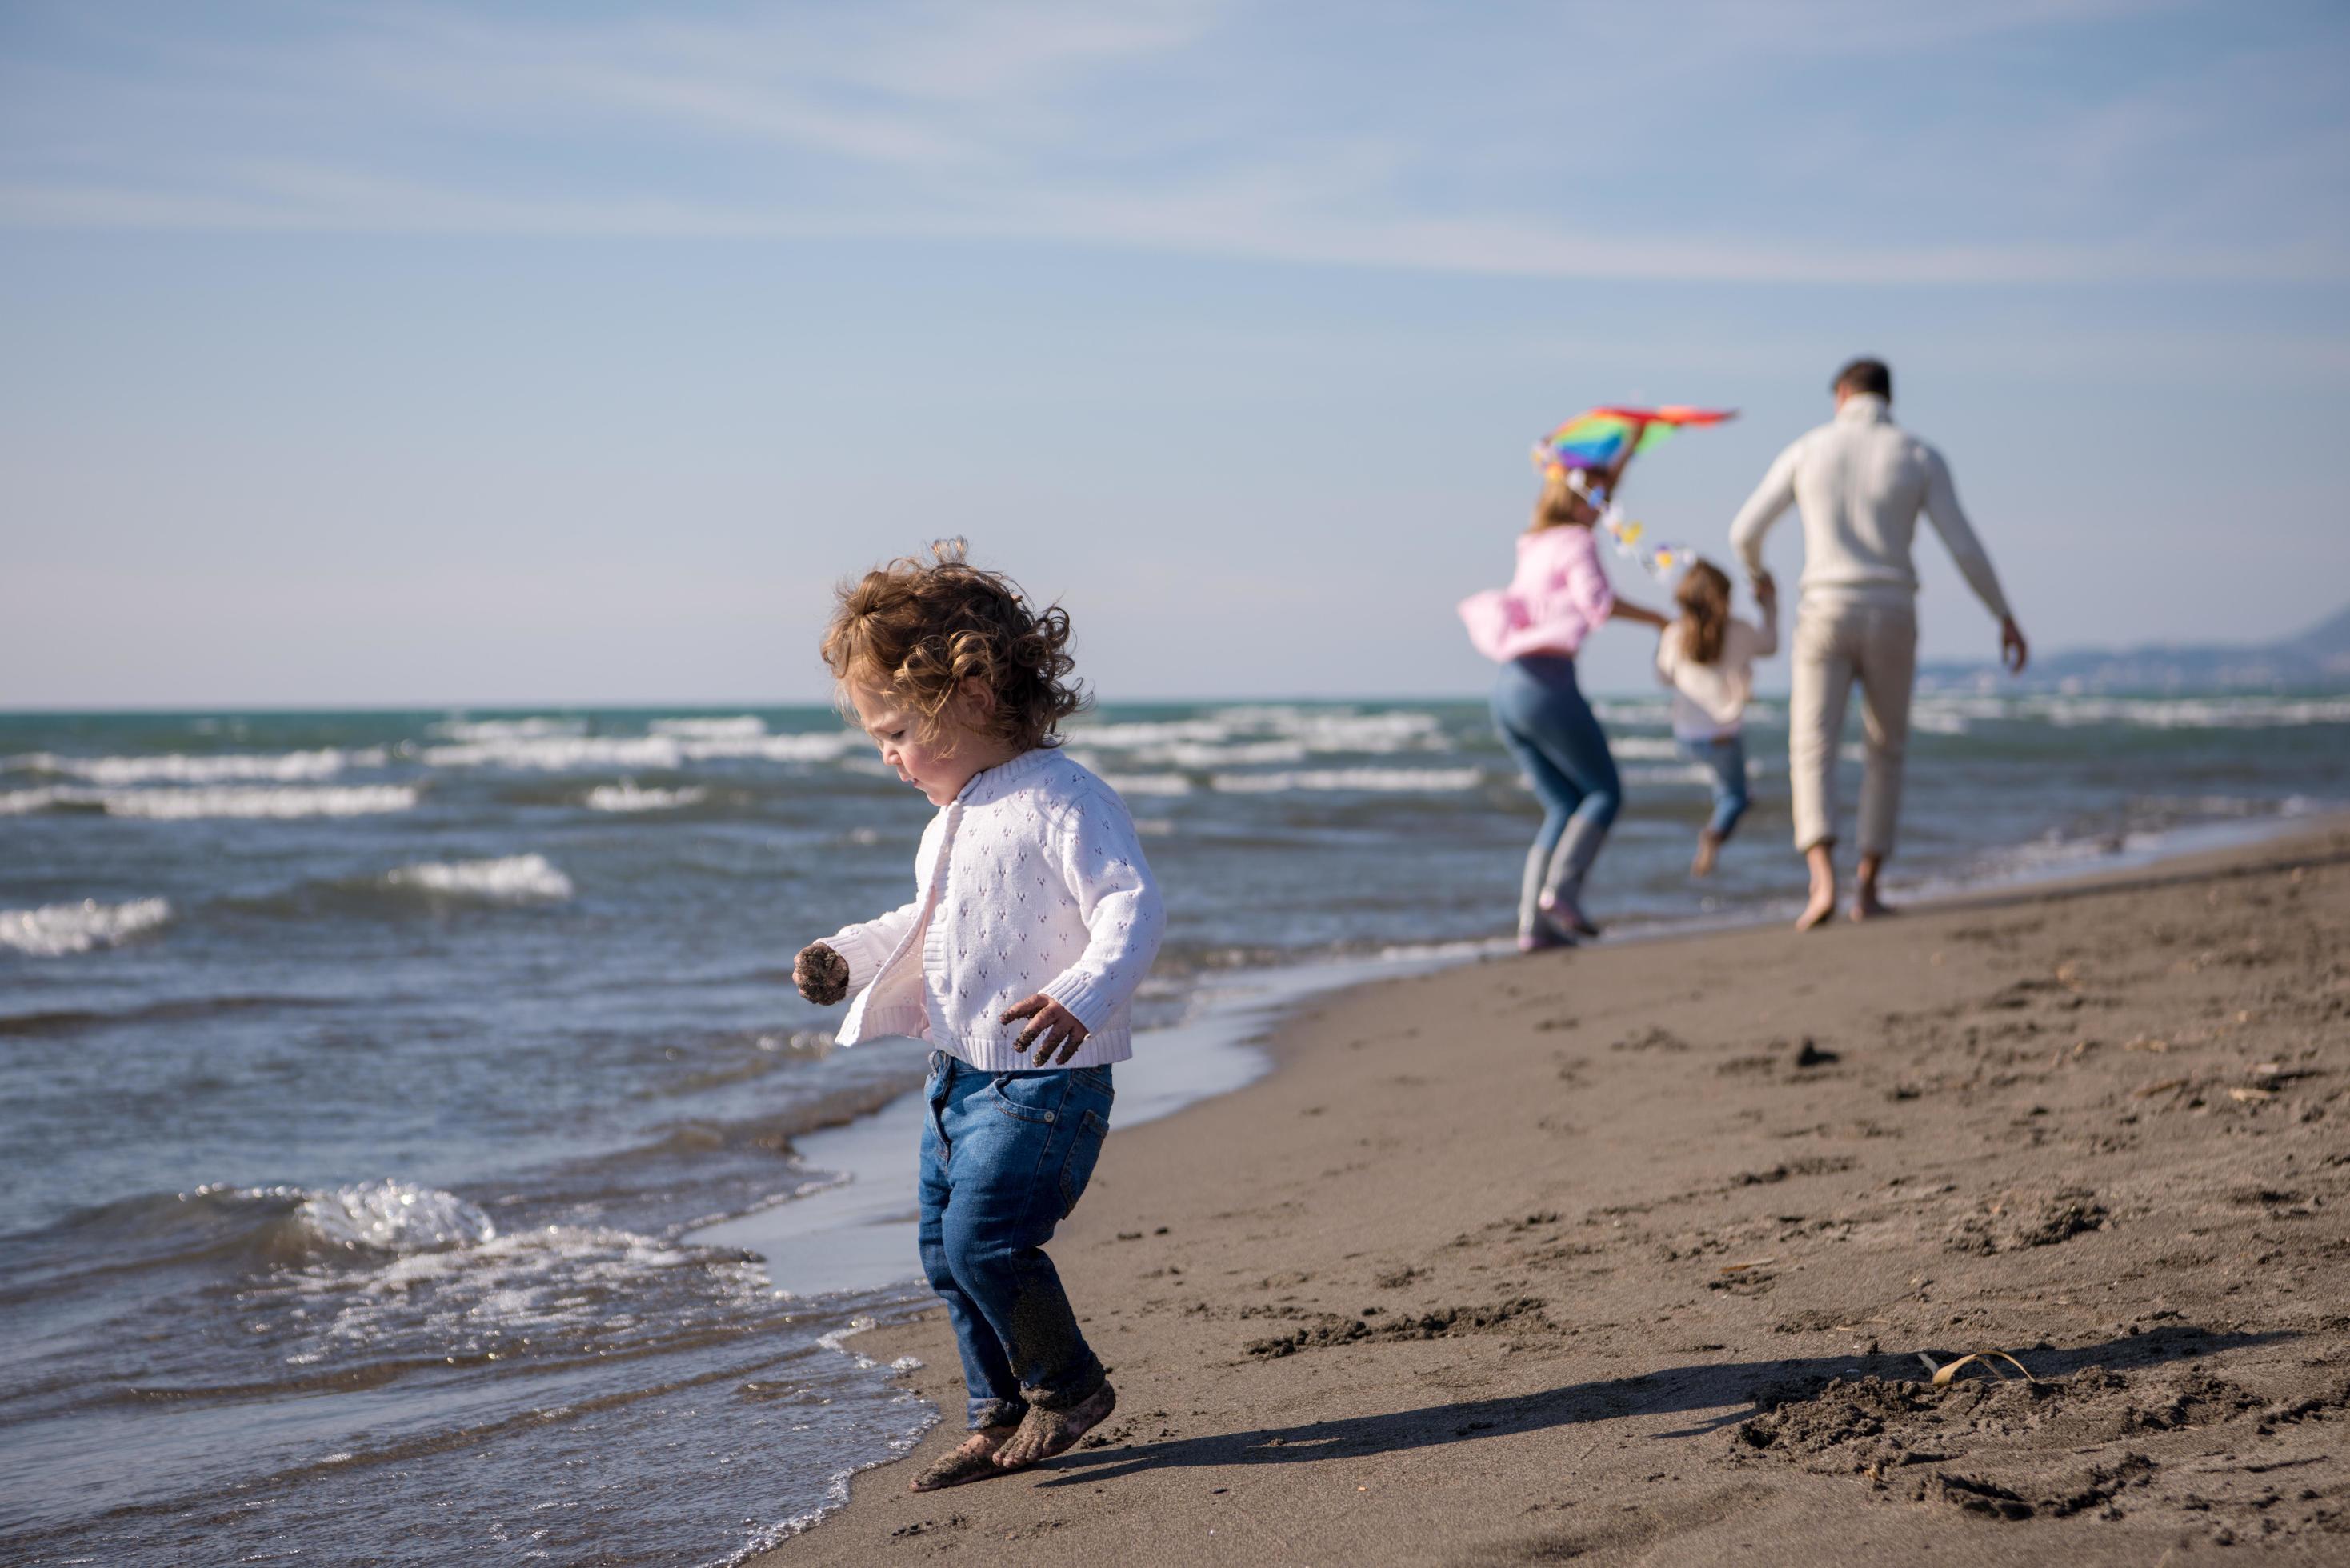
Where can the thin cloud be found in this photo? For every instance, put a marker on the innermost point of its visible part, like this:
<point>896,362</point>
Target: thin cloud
<point>1018,124</point>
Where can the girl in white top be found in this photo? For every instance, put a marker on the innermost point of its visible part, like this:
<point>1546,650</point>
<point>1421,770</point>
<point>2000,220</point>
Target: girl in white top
<point>1035,917</point>
<point>1707,656</point>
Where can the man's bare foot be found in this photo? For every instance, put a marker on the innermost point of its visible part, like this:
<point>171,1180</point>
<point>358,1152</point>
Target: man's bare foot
<point>1048,1432</point>
<point>1868,906</point>
<point>972,1460</point>
<point>1820,858</point>
<point>1707,847</point>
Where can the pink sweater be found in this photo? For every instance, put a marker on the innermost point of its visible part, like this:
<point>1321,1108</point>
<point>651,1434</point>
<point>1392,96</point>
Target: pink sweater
<point>1558,597</point>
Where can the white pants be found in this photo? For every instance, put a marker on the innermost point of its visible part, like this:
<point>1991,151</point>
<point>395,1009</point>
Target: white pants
<point>1835,646</point>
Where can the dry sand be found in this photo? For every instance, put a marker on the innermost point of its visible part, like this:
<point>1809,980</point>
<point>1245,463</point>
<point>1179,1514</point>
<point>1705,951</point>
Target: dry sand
<point>1629,1254</point>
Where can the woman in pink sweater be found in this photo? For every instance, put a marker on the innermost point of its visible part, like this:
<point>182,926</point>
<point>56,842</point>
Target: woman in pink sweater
<point>1533,628</point>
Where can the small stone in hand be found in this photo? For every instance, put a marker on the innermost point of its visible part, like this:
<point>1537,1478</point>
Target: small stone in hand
<point>821,974</point>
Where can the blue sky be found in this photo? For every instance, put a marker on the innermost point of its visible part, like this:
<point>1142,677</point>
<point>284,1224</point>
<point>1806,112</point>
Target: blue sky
<point>400,353</point>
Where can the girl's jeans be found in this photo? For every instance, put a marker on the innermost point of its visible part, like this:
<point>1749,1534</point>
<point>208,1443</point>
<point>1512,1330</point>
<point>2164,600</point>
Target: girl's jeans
<point>1724,757</point>
<point>1005,1156</point>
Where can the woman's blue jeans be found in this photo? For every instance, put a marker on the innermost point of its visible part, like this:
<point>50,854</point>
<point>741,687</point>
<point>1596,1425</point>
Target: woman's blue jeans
<point>1005,1156</point>
<point>1557,740</point>
<point>1724,758</point>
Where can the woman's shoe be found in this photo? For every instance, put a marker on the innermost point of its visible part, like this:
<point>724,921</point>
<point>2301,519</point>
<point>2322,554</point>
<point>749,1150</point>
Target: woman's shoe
<point>1565,919</point>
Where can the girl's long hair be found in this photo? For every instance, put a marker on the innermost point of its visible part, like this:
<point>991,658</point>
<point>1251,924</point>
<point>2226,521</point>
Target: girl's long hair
<point>1705,598</point>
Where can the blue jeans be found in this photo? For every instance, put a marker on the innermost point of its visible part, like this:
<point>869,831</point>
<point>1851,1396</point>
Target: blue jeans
<point>1556,739</point>
<point>1724,757</point>
<point>1005,1156</point>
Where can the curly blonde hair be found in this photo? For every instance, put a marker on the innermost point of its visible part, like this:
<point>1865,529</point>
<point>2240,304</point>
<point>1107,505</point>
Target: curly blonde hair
<point>919,629</point>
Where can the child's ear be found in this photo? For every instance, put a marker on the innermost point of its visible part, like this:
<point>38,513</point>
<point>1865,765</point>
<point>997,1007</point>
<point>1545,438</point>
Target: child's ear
<point>977,696</point>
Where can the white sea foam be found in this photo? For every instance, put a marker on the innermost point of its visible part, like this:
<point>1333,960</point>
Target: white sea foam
<point>401,1217</point>
<point>2188,712</point>
<point>1328,730</point>
<point>838,1338</point>
<point>1243,736</point>
<point>507,729</point>
<point>513,878</point>
<point>569,754</point>
<point>1633,709</point>
<point>1228,755</point>
<point>277,801</point>
<point>628,796</point>
<point>1666,772</point>
<point>558,754</point>
<point>819,746</point>
<point>24,802</point>
<point>197,768</point>
<point>1131,737</point>
<point>1956,713</point>
<point>736,729</point>
<point>54,931</point>
<point>1398,780</point>
<point>1148,784</point>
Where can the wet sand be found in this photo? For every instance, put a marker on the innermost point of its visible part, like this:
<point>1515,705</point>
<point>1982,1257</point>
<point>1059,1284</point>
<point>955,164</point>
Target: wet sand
<point>1632,1253</point>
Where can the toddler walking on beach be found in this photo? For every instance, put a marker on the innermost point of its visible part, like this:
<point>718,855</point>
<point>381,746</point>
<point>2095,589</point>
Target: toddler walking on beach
<point>1034,916</point>
<point>1707,656</point>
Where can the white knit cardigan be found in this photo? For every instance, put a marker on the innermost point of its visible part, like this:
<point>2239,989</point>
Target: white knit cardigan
<point>1031,880</point>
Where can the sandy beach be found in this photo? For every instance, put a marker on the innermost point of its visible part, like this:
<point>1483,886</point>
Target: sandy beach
<point>1632,1254</point>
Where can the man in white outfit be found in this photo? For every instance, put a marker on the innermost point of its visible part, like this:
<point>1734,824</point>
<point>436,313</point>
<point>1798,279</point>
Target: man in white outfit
<point>1859,482</point>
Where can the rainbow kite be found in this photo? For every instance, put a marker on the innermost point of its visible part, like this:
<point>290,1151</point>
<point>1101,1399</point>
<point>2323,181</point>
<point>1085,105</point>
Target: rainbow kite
<point>1591,442</point>
<point>1595,439</point>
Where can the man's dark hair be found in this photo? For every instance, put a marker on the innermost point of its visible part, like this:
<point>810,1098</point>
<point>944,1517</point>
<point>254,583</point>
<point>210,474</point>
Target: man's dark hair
<point>1873,377</point>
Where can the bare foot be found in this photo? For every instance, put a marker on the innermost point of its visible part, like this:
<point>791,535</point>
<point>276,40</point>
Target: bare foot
<point>1819,909</point>
<point>1048,1432</point>
<point>1868,906</point>
<point>972,1460</point>
<point>1707,847</point>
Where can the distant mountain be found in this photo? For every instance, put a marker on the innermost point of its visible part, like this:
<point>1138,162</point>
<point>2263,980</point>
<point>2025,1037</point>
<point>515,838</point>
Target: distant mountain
<point>2318,656</point>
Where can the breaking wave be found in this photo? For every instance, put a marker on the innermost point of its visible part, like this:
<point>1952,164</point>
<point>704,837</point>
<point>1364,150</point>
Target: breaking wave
<point>510,879</point>
<point>1396,781</point>
<point>54,931</point>
<point>627,795</point>
<point>1247,736</point>
<point>197,768</point>
<point>1149,783</point>
<point>571,753</point>
<point>742,728</point>
<point>188,803</point>
<point>507,729</point>
<point>397,1217</point>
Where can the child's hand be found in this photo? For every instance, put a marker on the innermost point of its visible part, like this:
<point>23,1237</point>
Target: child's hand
<point>821,974</point>
<point>1054,1025</point>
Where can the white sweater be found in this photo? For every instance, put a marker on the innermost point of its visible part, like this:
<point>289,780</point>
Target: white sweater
<point>1709,699</point>
<point>1031,880</point>
<point>1860,481</point>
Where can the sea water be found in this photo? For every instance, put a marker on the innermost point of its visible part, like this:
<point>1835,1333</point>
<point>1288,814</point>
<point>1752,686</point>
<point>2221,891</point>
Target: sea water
<point>411,1149</point>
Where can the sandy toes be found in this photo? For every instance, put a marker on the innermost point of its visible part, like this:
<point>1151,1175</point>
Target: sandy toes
<point>973,1460</point>
<point>1048,1432</point>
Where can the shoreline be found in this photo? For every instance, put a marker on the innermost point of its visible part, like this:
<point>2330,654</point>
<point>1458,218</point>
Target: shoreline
<point>1237,1129</point>
<point>856,1231</point>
